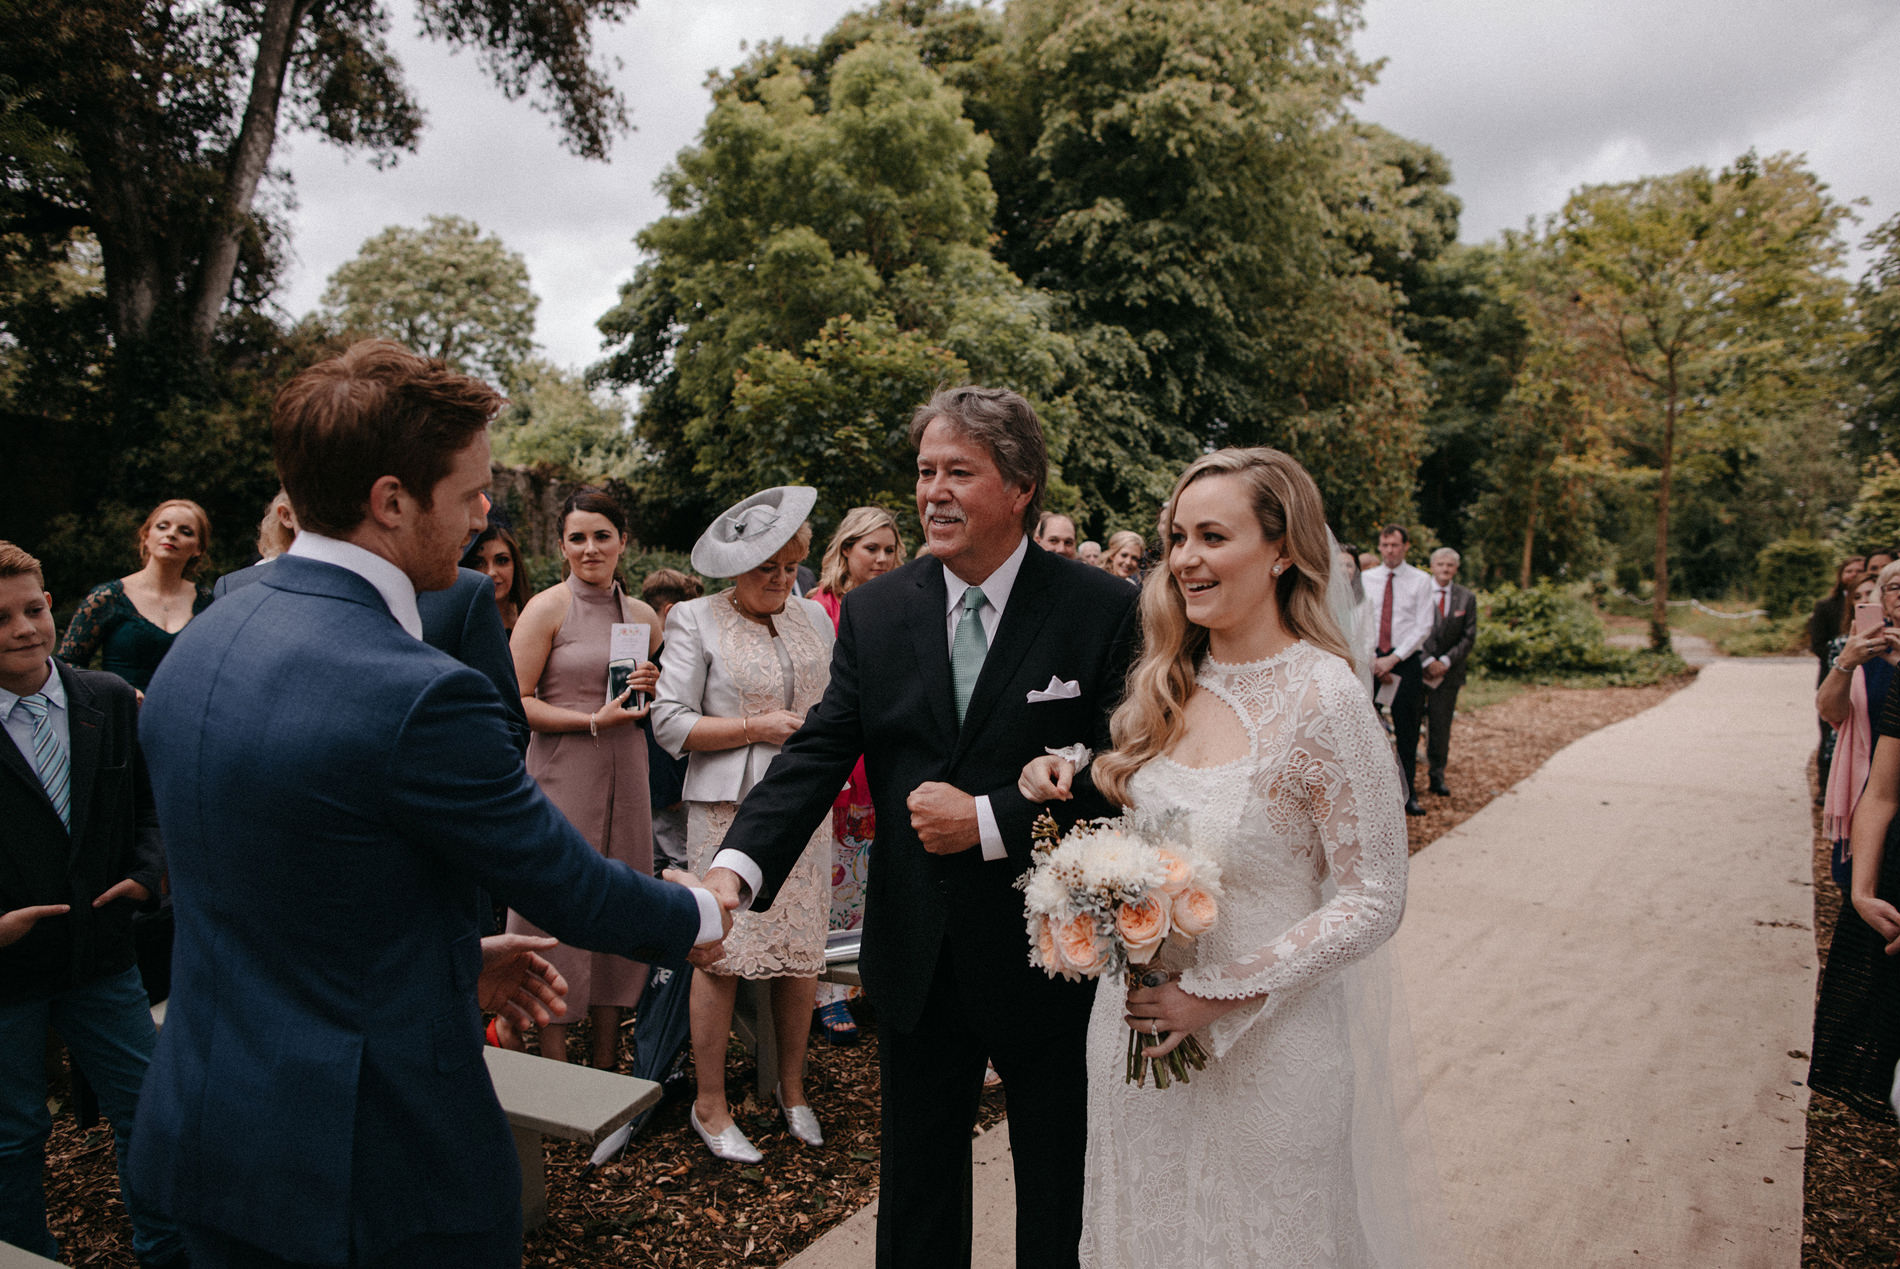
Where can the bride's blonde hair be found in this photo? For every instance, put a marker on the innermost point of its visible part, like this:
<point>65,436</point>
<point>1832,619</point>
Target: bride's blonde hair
<point>1287,503</point>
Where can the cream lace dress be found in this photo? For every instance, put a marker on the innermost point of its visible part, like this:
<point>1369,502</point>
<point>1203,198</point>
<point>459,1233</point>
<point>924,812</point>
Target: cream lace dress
<point>1253,1162</point>
<point>789,671</point>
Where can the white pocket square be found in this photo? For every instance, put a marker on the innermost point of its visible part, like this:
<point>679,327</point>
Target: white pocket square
<point>1058,690</point>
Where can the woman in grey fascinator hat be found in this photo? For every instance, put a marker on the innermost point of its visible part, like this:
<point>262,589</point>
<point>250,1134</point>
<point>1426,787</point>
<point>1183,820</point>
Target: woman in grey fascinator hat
<point>741,669</point>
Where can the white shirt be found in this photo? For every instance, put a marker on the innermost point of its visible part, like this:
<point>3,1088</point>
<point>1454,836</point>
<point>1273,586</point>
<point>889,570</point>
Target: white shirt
<point>399,593</point>
<point>1412,609</point>
<point>19,723</point>
<point>996,591</point>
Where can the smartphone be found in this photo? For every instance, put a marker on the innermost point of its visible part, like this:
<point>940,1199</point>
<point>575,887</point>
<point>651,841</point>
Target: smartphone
<point>1868,618</point>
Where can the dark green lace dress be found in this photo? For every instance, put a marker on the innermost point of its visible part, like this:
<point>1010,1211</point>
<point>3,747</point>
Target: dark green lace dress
<point>109,626</point>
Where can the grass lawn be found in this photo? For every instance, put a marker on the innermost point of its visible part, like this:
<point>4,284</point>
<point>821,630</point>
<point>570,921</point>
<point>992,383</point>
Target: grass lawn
<point>1735,636</point>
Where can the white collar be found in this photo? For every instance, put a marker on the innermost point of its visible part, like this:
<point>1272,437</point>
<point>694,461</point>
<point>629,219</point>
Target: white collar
<point>996,586</point>
<point>398,592</point>
<point>53,690</point>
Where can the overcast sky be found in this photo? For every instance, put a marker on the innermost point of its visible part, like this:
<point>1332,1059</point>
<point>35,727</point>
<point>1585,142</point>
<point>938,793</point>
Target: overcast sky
<point>1528,98</point>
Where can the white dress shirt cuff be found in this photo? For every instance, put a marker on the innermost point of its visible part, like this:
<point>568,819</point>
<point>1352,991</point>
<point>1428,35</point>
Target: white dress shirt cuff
<point>711,927</point>
<point>992,836</point>
<point>740,862</point>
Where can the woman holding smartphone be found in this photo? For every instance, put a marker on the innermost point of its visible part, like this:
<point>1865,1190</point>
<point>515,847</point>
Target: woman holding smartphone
<point>1850,698</point>
<point>585,752</point>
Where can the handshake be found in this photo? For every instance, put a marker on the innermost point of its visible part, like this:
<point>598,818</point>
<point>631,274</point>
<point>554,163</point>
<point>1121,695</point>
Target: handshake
<point>725,888</point>
<point>519,984</point>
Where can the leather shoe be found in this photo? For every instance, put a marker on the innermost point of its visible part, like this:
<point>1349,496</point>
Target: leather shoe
<point>1439,789</point>
<point>1412,807</point>
<point>800,1121</point>
<point>730,1145</point>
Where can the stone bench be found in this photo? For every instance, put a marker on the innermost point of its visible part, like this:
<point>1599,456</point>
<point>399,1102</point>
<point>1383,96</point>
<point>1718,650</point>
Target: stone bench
<point>752,1020</point>
<point>546,1099</point>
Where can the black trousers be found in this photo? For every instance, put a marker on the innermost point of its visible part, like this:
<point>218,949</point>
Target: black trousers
<point>498,1248</point>
<point>1408,710</point>
<point>933,1078</point>
<point>1440,703</point>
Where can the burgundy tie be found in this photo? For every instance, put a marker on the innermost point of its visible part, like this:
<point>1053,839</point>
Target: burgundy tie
<point>1441,603</point>
<point>1385,617</point>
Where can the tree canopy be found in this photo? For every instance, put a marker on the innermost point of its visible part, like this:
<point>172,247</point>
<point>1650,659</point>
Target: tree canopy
<point>445,291</point>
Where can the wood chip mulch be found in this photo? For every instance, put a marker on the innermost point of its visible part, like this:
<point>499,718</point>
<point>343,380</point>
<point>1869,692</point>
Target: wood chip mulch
<point>670,1203</point>
<point>1850,1211</point>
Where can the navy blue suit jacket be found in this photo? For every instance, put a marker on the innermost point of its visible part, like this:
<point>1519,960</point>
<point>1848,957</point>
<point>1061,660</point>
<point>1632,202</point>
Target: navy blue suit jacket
<point>333,793</point>
<point>462,621</point>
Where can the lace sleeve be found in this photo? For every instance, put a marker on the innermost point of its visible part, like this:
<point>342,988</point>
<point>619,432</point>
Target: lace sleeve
<point>1340,772</point>
<point>89,627</point>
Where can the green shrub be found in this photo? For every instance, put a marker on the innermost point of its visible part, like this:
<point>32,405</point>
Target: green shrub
<point>1541,632</point>
<point>1790,574</point>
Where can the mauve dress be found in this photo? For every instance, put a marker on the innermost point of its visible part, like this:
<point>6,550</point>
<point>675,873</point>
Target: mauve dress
<point>599,783</point>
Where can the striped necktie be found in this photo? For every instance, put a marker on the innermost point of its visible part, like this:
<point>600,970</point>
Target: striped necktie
<point>50,756</point>
<point>967,650</point>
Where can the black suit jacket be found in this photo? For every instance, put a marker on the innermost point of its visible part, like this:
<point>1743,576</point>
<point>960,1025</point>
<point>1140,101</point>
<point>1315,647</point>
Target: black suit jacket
<point>1453,634</point>
<point>461,621</point>
<point>890,699</point>
<point>114,836</point>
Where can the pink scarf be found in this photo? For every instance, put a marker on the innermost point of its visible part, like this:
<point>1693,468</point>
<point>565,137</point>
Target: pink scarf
<point>1853,755</point>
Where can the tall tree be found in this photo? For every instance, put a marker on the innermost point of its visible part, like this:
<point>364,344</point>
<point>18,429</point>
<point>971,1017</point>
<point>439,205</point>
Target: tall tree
<point>1710,287</point>
<point>445,291</point>
<point>847,231</point>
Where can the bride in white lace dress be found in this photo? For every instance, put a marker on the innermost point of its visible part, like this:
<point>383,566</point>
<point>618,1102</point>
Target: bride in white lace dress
<point>1245,716</point>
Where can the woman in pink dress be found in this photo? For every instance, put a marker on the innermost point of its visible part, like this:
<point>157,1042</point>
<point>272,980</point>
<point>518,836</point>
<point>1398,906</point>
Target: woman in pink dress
<point>586,754</point>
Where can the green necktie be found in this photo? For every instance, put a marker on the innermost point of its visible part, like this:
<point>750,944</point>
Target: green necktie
<point>967,651</point>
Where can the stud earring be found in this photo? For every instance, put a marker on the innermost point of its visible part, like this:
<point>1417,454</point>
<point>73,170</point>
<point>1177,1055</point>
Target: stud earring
<point>1279,567</point>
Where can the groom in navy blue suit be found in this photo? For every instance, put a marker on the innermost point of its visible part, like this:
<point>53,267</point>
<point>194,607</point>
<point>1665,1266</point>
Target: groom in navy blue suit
<point>334,793</point>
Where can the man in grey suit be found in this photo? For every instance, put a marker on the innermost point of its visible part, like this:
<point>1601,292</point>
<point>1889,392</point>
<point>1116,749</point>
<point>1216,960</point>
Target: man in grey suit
<point>1446,650</point>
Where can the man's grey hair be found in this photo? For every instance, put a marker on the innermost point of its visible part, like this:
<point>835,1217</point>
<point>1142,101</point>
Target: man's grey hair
<point>1446,553</point>
<point>1005,425</point>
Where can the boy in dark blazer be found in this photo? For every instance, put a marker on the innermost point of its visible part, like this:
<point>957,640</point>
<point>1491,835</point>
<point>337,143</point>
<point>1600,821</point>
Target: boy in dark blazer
<point>82,850</point>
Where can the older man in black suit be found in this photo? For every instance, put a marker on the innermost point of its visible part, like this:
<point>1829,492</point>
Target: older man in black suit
<point>1446,650</point>
<point>948,676</point>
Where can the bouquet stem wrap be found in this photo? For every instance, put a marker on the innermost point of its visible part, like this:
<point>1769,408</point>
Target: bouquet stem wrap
<point>1169,1067</point>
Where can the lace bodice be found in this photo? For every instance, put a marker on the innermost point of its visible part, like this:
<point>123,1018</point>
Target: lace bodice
<point>1315,799</point>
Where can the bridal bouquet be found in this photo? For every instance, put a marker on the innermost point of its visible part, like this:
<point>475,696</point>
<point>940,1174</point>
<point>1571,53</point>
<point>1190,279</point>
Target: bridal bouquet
<point>1107,898</point>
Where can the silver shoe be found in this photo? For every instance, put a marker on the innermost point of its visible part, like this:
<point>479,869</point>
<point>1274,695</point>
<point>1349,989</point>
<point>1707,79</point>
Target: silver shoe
<point>730,1145</point>
<point>800,1121</point>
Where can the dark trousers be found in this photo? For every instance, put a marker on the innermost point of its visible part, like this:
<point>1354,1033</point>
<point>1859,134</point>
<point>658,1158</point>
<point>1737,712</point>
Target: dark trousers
<point>1408,710</point>
<point>1440,704</point>
<point>933,1078</point>
<point>498,1248</point>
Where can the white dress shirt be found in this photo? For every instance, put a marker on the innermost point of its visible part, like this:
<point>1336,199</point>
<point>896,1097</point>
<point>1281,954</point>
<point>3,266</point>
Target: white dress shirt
<point>399,593</point>
<point>1411,605</point>
<point>19,723</point>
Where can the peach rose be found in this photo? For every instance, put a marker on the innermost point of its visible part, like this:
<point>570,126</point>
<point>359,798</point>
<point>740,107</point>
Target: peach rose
<point>1179,873</point>
<point>1081,948</point>
<point>1142,926</point>
<point>1046,945</point>
<point>1194,912</point>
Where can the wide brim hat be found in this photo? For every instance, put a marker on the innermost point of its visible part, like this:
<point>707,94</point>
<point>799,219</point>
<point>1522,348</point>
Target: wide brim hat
<point>749,533</point>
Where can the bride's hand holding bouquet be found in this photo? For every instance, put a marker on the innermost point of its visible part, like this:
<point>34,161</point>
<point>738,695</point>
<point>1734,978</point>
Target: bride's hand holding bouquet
<point>1107,898</point>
